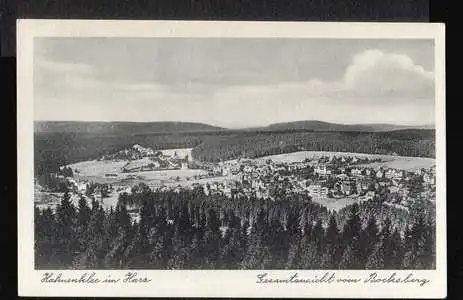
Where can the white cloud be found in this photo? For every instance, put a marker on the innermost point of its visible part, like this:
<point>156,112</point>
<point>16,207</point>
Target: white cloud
<point>376,73</point>
<point>363,93</point>
<point>383,86</point>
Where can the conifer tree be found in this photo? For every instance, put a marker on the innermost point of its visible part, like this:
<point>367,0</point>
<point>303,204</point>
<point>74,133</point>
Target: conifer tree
<point>426,250</point>
<point>331,254</point>
<point>397,250</point>
<point>40,239</point>
<point>158,249</point>
<point>179,256</point>
<point>66,223</point>
<point>258,255</point>
<point>195,250</point>
<point>115,256</point>
<point>349,259</point>
<point>95,234</point>
<point>232,253</point>
<point>376,259</point>
<point>211,240</point>
<point>369,239</point>
<point>312,245</point>
<point>386,241</point>
<point>295,237</point>
<point>279,244</point>
<point>83,218</point>
<point>351,240</point>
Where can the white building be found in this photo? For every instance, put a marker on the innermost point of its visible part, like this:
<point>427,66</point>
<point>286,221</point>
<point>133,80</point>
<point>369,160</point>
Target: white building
<point>379,174</point>
<point>322,170</point>
<point>356,172</point>
<point>370,195</point>
<point>317,190</point>
<point>428,179</point>
<point>82,187</point>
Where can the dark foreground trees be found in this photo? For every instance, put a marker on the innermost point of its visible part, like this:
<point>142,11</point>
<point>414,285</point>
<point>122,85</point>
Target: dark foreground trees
<point>189,230</point>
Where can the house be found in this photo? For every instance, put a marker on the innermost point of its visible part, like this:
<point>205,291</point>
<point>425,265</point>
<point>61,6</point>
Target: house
<point>324,192</point>
<point>379,174</point>
<point>394,189</point>
<point>82,187</point>
<point>389,174</point>
<point>346,188</point>
<point>370,195</point>
<point>205,190</point>
<point>342,176</point>
<point>428,179</point>
<point>393,174</point>
<point>398,175</point>
<point>364,185</point>
<point>225,171</point>
<point>227,191</point>
<point>127,190</point>
<point>321,170</point>
<point>317,190</point>
<point>355,172</point>
<point>257,184</point>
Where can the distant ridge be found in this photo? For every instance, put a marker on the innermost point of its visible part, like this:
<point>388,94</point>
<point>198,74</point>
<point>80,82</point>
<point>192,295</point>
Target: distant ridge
<point>121,127</point>
<point>325,126</point>
<point>185,127</point>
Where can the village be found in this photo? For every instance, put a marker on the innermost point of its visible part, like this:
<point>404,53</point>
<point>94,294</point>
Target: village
<point>325,178</point>
<point>329,180</point>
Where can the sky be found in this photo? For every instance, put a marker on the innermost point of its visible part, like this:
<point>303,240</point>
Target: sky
<point>234,82</point>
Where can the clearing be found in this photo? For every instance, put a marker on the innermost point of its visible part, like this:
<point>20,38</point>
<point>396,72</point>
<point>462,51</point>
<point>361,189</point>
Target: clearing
<point>389,161</point>
<point>181,152</point>
<point>338,203</point>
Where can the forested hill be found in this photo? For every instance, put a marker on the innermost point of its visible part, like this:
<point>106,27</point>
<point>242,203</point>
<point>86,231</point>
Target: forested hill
<point>410,142</point>
<point>325,126</point>
<point>125,128</point>
<point>60,143</point>
<point>121,128</point>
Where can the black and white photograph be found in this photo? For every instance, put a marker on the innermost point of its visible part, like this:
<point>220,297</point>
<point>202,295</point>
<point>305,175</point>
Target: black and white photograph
<point>243,153</point>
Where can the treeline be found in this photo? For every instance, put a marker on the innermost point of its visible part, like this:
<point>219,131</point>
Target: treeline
<point>419,143</point>
<point>189,230</point>
<point>52,150</point>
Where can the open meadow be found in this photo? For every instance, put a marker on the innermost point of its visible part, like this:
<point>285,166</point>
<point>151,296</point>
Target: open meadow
<point>335,204</point>
<point>387,161</point>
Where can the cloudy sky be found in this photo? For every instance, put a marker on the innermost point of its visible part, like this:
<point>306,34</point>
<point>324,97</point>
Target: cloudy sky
<point>234,82</point>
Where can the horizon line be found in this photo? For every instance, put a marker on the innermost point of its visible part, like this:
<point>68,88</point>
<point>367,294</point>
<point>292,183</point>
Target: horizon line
<point>237,128</point>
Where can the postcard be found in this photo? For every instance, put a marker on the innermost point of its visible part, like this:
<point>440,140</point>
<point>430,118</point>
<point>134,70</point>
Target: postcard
<point>231,159</point>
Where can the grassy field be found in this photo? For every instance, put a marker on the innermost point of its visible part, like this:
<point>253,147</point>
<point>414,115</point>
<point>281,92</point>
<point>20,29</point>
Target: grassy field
<point>95,171</point>
<point>338,203</point>
<point>96,168</point>
<point>181,152</point>
<point>405,163</point>
<point>169,174</point>
<point>388,161</point>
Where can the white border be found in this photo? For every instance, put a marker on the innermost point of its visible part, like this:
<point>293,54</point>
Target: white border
<point>216,283</point>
